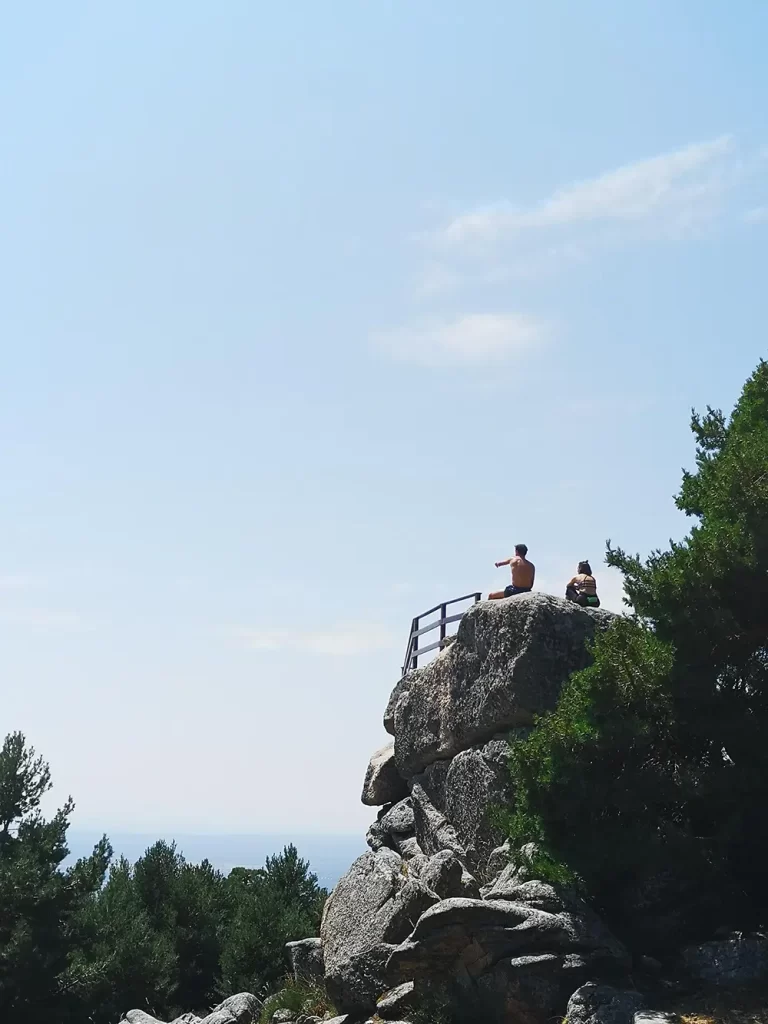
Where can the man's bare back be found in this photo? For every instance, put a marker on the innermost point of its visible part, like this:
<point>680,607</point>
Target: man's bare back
<point>523,574</point>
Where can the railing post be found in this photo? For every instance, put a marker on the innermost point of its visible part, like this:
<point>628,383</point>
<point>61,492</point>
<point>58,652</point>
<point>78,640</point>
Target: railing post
<point>443,614</point>
<point>415,649</point>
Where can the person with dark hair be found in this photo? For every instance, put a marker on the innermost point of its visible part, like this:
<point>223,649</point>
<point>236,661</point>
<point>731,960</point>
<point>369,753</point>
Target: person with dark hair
<point>523,574</point>
<point>583,587</point>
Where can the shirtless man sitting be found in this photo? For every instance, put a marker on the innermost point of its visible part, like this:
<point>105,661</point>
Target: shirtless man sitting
<point>523,574</point>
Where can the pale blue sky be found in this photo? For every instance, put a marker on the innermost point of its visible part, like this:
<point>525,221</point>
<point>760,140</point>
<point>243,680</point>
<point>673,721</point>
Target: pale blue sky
<point>310,312</point>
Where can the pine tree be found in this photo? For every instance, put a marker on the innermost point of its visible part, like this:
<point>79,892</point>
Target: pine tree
<point>39,902</point>
<point>648,783</point>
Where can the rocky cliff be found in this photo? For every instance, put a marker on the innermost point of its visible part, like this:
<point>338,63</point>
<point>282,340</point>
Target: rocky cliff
<point>438,922</point>
<point>435,908</point>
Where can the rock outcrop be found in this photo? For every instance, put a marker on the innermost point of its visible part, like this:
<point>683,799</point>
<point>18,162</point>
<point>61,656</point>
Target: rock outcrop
<point>383,782</point>
<point>507,665</point>
<point>410,912</point>
<point>372,909</point>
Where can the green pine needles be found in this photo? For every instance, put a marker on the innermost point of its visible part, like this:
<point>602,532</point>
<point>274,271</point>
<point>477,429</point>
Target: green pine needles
<point>648,785</point>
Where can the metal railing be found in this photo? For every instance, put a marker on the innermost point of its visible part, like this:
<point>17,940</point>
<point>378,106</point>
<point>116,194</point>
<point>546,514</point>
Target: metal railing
<point>413,651</point>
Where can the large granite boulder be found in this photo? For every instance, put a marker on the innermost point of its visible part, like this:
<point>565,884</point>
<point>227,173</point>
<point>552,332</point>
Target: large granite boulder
<point>452,802</point>
<point>371,909</point>
<point>508,664</point>
<point>383,782</point>
<point>459,931</point>
<point>514,959</point>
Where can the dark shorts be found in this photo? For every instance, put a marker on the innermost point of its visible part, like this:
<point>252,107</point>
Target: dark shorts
<point>511,590</point>
<point>572,594</point>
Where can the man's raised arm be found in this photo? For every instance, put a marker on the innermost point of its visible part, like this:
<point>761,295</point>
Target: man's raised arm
<point>505,562</point>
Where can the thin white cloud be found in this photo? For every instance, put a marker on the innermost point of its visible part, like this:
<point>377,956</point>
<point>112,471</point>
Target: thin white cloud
<point>339,641</point>
<point>42,619</point>
<point>757,215</point>
<point>470,339</point>
<point>20,581</point>
<point>681,184</point>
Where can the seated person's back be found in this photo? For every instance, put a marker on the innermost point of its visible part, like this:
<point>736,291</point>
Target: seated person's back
<point>582,588</point>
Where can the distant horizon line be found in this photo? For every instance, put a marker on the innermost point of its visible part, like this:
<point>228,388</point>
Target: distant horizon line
<point>144,831</point>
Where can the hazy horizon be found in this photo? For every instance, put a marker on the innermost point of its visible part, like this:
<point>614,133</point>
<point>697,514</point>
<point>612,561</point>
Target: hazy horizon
<point>328,855</point>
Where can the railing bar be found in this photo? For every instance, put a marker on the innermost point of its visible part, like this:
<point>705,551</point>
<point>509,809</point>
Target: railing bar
<point>438,623</point>
<point>454,601</point>
<point>431,647</point>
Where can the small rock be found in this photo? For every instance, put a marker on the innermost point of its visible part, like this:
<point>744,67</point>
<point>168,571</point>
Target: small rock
<point>408,848</point>
<point>603,1004</point>
<point>497,861</point>
<point>396,1001</point>
<point>220,1017</point>
<point>283,1016</point>
<point>383,782</point>
<point>243,1007</point>
<point>443,875</point>
<point>307,961</point>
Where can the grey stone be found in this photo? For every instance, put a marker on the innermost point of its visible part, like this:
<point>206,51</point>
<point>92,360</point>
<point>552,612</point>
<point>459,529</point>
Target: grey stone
<point>731,961</point>
<point>140,1017</point>
<point>530,989</point>
<point>497,861</point>
<point>453,801</point>
<point>243,1006</point>
<point>443,874</point>
<point>343,1019</point>
<point>508,664</point>
<point>383,782</point>
<point>374,907</point>
<point>400,688</point>
<point>187,1018</point>
<point>515,874</point>
<point>656,1018</point>
<point>395,1002</point>
<point>434,831</point>
<point>393,827</point>
<point>220,1017</point>
<point>398,820</point>
<point>307,962</point>
<point>408,848</point>
<point>470,887</point>
<point>283,1016</point>
<point>603,1004</point>
<point>485,931</point>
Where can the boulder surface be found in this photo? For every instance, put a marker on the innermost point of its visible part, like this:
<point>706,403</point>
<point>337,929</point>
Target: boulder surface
<point>508,664</point>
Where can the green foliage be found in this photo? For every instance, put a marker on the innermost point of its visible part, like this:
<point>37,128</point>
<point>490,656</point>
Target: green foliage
<point>40,903</point>
<point>654,764</point>
<point>162,935</point>
<point>273,905</point>
<point>299,997</point>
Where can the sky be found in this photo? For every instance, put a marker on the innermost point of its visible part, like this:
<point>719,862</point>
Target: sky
<point>310,312</point>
